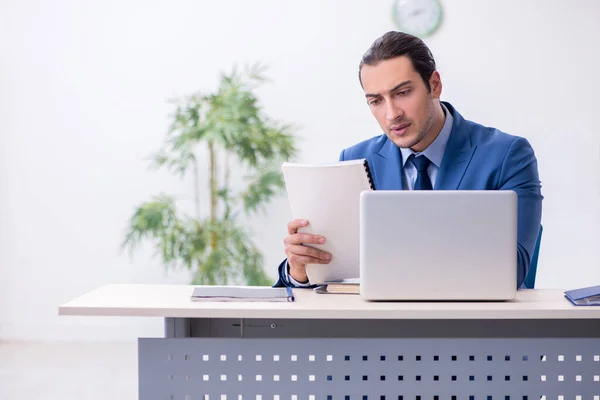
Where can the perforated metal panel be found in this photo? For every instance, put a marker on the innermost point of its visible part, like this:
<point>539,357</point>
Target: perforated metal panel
<point>379,369</point>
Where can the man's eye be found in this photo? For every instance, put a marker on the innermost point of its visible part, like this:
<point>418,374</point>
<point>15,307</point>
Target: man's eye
<point>374,102</point>
<point>403,93</point>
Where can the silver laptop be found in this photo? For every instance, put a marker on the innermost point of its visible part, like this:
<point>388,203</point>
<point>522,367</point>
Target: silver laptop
<point>438,245</point>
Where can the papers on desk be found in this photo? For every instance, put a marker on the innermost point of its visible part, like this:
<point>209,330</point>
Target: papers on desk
<point>589,296</point>
<point>242,293</point>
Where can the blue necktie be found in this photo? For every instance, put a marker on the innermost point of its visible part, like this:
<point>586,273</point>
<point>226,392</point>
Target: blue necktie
<point>422,163</point>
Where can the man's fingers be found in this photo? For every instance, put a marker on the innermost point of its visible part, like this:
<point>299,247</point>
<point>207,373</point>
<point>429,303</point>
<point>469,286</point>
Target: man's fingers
<point>298,254</point>
<point>296,259</point>
<point>309,251</point>
<point>300,238</point>
<point>295,224</point>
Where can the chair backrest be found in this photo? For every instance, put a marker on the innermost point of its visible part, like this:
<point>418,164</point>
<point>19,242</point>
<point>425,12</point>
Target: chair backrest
<point>530,278</point>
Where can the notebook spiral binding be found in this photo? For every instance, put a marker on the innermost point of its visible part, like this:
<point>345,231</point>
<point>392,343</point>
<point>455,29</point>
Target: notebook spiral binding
<point>369,175</point>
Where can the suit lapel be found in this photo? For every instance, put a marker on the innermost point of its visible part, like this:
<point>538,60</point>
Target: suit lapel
<point>454,166</point>
<point>457,156</point>
<point>387,167</point>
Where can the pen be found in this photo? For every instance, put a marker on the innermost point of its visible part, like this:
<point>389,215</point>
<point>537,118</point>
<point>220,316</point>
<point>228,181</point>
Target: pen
<point>290,293</point>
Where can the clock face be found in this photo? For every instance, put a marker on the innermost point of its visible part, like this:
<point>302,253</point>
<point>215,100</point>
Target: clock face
<point>417,17</point>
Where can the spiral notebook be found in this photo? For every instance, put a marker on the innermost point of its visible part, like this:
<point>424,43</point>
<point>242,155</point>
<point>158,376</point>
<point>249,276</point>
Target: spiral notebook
<point>241,293</point>
<point>587,296</point>
<point>328,196</point>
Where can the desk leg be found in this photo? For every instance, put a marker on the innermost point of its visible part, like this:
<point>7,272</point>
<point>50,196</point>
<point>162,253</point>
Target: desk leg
<point>177,327</point>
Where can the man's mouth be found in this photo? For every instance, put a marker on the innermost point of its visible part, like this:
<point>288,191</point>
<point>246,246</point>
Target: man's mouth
<point>399,129</point>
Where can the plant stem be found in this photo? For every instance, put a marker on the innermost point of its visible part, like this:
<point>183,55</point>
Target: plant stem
<point>226,170</point>
<point>213,193</point>
<point>226,186</point>
<point>196,188</point>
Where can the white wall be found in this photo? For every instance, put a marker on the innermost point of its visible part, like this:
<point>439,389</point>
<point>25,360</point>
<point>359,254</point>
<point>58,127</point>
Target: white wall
<point>83,86</point>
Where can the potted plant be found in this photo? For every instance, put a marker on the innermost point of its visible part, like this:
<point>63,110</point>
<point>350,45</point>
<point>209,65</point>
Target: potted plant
<point>241,142</point>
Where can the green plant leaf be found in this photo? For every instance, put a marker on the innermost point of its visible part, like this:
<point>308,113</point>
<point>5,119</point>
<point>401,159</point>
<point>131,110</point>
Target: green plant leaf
<point>262,187</point>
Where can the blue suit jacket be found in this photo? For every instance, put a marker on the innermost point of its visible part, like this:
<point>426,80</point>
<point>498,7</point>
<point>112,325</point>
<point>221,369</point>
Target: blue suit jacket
<point>476,158</point>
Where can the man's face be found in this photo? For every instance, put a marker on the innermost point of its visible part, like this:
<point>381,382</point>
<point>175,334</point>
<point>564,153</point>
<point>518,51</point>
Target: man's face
<point>401,103</point>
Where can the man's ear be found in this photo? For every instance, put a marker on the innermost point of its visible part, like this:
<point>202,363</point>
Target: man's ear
<point>435,83</point>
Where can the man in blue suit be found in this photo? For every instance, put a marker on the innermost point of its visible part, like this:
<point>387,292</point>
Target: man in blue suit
<point>427,145</point>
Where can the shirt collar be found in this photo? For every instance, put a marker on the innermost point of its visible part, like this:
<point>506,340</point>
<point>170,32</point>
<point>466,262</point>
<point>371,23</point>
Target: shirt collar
<point>435,151</point>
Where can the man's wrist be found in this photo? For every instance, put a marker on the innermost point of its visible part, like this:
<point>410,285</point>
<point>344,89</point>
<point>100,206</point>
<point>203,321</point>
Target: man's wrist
<point>299,279</point>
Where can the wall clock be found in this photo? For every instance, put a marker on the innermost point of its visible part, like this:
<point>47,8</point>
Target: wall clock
<point>418,17</point>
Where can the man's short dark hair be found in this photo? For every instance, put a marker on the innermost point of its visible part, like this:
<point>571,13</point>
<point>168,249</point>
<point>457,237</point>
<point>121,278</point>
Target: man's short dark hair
<point>395,44</point>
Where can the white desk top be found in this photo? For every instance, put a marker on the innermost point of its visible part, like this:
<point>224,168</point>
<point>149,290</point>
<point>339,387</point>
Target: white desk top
<point>174,301</point>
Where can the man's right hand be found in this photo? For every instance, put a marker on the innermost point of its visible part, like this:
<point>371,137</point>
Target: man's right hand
<point>299,255</point>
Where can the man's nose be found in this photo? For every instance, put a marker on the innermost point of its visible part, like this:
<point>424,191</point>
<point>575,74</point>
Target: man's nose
<point>392,112</point>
